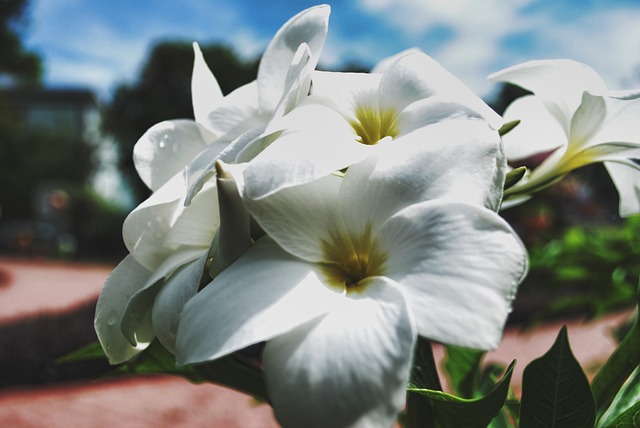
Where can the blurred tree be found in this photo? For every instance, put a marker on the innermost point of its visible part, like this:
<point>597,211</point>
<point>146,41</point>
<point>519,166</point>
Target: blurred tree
<point>163,91</point>
<point>18,66</point>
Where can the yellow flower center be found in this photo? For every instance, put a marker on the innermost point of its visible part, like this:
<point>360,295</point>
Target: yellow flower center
<point>373,124</point>
<point>353,259</point>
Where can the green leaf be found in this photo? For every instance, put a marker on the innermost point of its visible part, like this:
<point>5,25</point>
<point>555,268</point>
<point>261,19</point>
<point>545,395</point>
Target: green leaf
<point>233,370</point>
<point>424,374</point>
<point>462,365</point>
<point>555,390</point>
<point>93,351</point>
<point>504,129</point>
<point>630,418</point>
<point>625,407</point>
<point>452,411</point>
<point>514,176</point>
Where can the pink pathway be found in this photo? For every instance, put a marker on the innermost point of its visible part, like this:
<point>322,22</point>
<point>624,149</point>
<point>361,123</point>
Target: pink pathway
<point>34,286</point>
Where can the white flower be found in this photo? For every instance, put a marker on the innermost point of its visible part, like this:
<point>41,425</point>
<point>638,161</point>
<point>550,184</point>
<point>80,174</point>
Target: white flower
<point>572,114</point>
<point>351,115</point>
<point>168,241</point>
<point>353,268</point>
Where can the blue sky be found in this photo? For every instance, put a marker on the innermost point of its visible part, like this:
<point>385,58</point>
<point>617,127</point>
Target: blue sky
<point>99,43</point>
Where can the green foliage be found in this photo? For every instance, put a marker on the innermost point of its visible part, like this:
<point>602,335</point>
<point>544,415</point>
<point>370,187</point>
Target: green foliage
<point>462,366</point>
<point>625,409</point>
<point>20,65</point>
<point>452,411</point>
<point>587,271</point>
<point>555,390</point>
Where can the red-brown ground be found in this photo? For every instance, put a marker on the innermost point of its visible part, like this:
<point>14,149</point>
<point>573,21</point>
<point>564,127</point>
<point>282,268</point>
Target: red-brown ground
<point>32,287</point>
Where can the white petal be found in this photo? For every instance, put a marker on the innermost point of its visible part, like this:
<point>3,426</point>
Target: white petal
<point>347,369</point>
<point>205,91</point>
<point>416,75</point>
<point>626,177</point>
<point>343,91</point>
<point>202,168</point>
<point>195,225</point>
<point>171,298</point>
<point>146,227</point>
<point>266,293</point>
<point>457,160</point>
<point>309,26</point>
<point>165,149</point>
<point>559,83</point>
<point>459,266</point>
<point>537,132</point>
<point>621,122</point>
<point>237,113</point>
<point>587,121</point>
<point>318,142</point>
<point>299,218</point>
<point>162,223</point>
<point>381,66</point>
<point>123,282</point>
<point>137,312</point>
<point>431,110</point>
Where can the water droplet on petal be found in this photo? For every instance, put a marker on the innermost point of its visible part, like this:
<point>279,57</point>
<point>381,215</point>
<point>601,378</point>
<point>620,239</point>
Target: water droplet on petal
<point>112,317</point>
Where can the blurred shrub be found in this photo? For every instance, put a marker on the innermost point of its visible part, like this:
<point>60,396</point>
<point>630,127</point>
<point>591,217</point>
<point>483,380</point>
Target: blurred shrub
<point>588,271</point>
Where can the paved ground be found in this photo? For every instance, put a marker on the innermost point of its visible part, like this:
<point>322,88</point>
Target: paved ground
<point>28,288</point>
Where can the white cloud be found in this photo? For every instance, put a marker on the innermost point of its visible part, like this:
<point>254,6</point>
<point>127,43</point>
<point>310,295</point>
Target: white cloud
<point>476,31</point>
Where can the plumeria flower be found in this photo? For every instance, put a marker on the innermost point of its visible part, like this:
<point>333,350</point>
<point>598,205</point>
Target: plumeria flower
<point>170,242</point>
<point>351,115</point>
<point>353,268</point>
<point>572,115</point>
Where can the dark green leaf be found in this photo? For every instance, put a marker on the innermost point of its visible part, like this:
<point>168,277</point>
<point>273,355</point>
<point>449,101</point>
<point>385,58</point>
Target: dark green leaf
<point>555,390</point>
<point>424,374</point>
<point>504,129</point>
<point>461,365</point>
<point>232,371</point>
<point>514,176</point>
<point>452,411</point>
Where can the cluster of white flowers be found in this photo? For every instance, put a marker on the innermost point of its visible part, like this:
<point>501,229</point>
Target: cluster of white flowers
<point>336,217</point>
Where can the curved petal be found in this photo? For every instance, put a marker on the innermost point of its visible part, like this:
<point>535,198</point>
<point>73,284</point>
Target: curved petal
<point>537,132</point>
<point>341,91</point>
<point>626,177</point>
<point>349,368</point>
<point>383,64</point>
<point>171,298</point>
<point>121,284</point>
<point>205,91</point>
<point>146,227</point>
<point>459,266</point>
<point>559,83</point>
<point>456,160</point>
<point>586,121</point>
<point>203,166</point>
<point>416,75</point>
<point>309,26</point>
<point>266,293</point>
<point>166,148</point>
<point>162,223</point>
<point>138,309</point>
<point>237,112</point>
<point>318,142</point>
<point>195,225</point>
<point>621,122</point>
<point>431,110</point>
<point>299,218</point>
